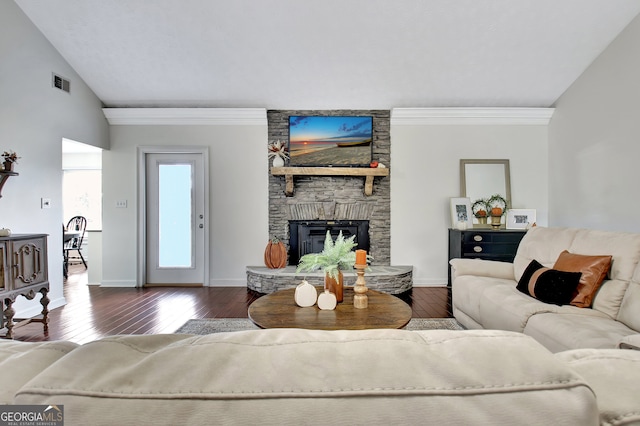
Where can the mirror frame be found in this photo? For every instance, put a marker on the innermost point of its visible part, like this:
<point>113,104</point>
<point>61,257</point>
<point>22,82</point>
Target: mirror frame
<point>507,176</point>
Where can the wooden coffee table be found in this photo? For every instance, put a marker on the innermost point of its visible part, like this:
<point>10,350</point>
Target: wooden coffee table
<point>279,310</point>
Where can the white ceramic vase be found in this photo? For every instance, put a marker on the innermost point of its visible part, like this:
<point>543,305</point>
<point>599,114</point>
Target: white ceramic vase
<point>278,161</point>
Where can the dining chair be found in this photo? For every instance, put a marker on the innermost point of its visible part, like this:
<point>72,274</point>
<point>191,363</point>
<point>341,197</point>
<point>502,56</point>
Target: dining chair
<point>79,224</point>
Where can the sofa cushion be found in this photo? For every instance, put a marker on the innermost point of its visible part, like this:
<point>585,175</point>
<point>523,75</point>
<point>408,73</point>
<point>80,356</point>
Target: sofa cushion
<point>609,297</point>
<point>624,247</point>
<point>296,376</point>
<point>582,328</point>
<point>542,244</point>
<point>548,285</point>
<point>594,270</point>
<point>22,361</point>
<point>607,372</point>
<point>467,291</point>
<point>629,312</point>
<point>504,307</point>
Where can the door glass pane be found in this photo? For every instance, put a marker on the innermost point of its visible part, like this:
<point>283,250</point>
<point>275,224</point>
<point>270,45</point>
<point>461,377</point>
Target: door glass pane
<point>175,215</point>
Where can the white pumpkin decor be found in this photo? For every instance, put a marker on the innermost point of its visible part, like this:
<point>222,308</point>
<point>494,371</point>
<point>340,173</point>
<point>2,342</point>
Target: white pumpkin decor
<point>305,294</point>
<point>327,301</point>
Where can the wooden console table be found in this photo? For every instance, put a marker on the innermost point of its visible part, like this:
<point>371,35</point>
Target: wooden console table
<point>23,272</point>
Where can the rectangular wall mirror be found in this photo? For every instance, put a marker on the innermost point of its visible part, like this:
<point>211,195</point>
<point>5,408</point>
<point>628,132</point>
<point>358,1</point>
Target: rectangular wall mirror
<point>484,178</point>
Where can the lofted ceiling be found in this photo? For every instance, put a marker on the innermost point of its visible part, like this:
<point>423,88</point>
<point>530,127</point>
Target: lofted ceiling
<point>330,54</point>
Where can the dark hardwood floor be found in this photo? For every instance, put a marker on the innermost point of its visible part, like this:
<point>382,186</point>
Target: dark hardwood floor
<point>92,312</point>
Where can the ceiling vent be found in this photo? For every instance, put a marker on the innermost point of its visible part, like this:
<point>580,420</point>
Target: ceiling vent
<point>61,83</point>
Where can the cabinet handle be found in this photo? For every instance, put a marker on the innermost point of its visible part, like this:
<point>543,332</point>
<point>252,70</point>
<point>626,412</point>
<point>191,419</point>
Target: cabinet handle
<point>477,249</point>
<point>477,238</point>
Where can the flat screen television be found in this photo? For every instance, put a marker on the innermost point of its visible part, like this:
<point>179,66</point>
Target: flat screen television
<point>341,141</point>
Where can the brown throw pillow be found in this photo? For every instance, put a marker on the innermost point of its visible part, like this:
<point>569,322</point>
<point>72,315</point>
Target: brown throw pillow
<point>594,270</point>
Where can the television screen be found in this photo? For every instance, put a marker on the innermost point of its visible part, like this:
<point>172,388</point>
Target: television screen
<point>343,141</point>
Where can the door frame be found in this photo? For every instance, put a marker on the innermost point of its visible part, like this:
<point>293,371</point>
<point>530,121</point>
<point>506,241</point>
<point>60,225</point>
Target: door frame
<point>142,152</point>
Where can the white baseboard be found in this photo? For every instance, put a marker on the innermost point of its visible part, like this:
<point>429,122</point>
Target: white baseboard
<point>429,282</point>
<point>228,282</point>
<point>117,283</point>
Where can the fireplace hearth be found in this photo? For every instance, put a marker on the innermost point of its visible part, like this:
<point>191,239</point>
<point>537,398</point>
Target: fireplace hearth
<point>307,236</point>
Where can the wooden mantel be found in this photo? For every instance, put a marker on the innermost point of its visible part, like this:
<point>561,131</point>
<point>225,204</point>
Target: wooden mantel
<point>368,172</point>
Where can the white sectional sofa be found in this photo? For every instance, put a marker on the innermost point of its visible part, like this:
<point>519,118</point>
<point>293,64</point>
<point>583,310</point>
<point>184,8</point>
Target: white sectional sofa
<point>313,377</point>
<point>485,294</point>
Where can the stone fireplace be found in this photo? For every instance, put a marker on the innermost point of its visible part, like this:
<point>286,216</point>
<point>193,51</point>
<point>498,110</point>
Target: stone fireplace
<point>334,202</point>
<point>334,198</point>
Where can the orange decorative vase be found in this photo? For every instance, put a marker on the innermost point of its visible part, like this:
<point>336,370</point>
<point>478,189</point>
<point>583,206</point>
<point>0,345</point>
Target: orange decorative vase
<point>335,286</point>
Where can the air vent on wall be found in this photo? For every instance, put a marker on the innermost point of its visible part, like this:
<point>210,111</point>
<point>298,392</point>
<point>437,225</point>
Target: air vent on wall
<point>61,83</point>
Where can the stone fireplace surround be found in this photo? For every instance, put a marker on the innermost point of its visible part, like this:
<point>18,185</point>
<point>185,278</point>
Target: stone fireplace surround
<point>333,198</point>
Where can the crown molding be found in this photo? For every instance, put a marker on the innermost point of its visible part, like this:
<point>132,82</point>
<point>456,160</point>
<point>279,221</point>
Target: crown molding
<point>186,116</point>
<point>471,116</point>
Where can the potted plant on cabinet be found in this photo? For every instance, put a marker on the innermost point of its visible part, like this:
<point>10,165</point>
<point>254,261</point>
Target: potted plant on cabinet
<point>498,206</point>
<point>334,257</point>
<point>480,209</point>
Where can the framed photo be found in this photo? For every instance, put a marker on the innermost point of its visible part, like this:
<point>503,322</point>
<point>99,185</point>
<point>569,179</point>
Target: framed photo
<point>461,216</point>
<point>520,218</point>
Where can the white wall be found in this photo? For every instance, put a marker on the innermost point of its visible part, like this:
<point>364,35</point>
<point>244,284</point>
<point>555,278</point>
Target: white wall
<point>594,142</point>
<point>34,117</point>
<point>425,174</point>
<point>238,196</point>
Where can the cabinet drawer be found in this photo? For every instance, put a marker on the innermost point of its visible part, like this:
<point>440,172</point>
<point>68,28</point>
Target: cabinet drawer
<point>491,237</point>
<point>469,250</point>
<point>29,258</point>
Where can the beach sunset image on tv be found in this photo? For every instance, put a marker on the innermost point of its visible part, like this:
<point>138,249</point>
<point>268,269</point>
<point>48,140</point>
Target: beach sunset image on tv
<point>330,140</point>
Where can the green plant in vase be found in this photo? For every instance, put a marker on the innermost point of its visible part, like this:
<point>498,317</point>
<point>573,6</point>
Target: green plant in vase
<point>480,210</point>
<point>498,206</point>
<point>9,158</point>
<point>335,256</point>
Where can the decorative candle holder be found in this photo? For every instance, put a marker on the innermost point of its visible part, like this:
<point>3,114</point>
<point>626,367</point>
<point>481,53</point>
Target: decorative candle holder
<point>360,299</point>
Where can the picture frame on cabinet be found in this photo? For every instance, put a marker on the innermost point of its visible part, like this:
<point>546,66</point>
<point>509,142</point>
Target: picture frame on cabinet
<point>461,215</point>
<point>520,218</point>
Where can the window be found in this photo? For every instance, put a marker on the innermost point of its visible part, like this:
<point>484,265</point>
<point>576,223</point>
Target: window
<point>82,196</point>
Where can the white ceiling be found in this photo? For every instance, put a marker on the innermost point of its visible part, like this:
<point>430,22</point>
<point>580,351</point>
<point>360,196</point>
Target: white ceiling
<point>330,54</point>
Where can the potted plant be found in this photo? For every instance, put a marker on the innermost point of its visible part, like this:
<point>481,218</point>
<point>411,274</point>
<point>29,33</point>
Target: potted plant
<point>335,256</point>
<point>480,210</point>
<point>498,206</point>
<point>9,158</point>
<point>278,151</point>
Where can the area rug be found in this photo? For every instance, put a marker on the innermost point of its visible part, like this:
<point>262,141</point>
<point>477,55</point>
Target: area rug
<point>219,325</point>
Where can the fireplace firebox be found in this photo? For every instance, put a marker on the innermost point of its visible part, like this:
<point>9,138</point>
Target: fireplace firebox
<point>307,236</point>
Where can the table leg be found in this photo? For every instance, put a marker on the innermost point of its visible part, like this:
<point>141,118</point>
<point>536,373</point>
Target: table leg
<point>44,301</point>
<point>9,313</point>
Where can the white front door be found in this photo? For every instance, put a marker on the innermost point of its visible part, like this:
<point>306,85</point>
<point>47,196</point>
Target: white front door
<point>175,218</point>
